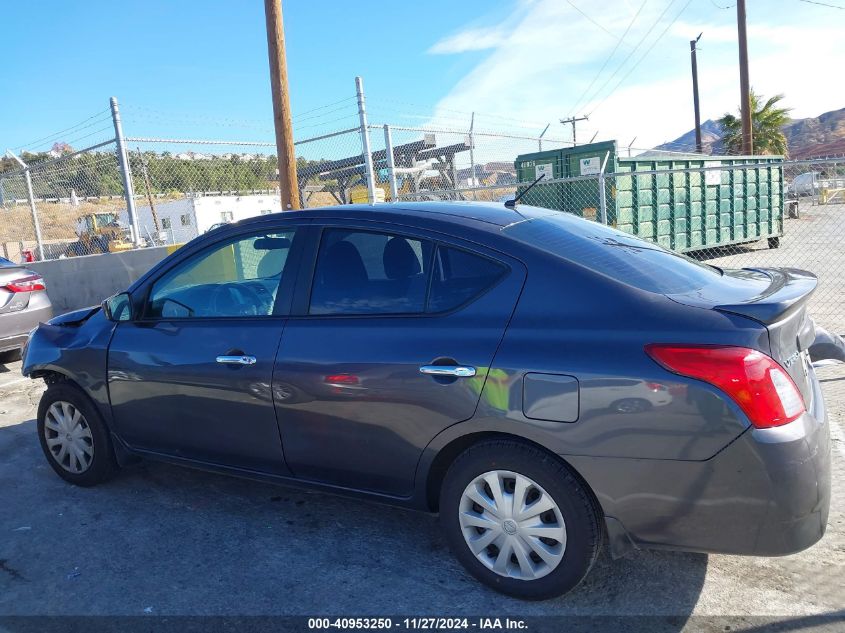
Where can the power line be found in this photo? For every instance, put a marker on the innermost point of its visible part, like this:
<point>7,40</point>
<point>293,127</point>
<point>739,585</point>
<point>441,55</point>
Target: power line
<point>718,6</point>
<point>571,4</point>
<point>609,57</point>
<point>631,54</point>
<point>644,55</point>
<point>823,4</point>
<point>376,103</point>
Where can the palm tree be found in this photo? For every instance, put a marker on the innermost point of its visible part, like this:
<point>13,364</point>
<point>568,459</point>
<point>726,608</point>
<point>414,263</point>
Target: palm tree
<point>766,124</point>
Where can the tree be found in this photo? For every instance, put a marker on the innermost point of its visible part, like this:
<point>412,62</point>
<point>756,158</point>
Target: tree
<point>767,122</point>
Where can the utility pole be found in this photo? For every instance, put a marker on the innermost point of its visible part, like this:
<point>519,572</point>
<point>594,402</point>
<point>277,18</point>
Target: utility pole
<point>288,184</point>
<point>573,120</point>
<point>744,85</point>
<point>146,175</point>
<point>692,44</point>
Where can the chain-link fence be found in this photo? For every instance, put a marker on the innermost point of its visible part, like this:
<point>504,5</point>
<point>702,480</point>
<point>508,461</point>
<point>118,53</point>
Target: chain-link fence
<point>745,215</point>
<point>728,211</point>
<point>67,206</point>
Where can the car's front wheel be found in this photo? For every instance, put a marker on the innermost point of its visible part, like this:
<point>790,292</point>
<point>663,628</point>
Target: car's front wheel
<point>73,436</point>
<point>519,519</point>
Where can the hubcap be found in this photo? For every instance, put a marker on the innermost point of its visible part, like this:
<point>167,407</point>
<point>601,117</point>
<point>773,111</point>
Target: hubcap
<point>68,437</point>
<point>512,525</point>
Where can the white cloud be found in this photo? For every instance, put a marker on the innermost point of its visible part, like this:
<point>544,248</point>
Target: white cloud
<point>543,57</point>
<point>469,40</point>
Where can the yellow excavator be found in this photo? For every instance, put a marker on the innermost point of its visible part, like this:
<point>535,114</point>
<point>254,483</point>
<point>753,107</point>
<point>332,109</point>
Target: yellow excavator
<point>99,233</point>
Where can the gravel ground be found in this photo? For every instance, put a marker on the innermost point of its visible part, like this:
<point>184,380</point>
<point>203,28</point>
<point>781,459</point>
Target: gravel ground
<point>165,540</point>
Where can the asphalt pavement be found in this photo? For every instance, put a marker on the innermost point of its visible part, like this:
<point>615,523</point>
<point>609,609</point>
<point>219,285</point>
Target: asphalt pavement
<point>163,540</point>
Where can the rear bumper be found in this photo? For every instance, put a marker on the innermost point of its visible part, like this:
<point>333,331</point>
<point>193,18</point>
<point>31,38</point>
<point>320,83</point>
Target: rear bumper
<point>766,494</point>
<point>16,326</point>
<point>10,343</point>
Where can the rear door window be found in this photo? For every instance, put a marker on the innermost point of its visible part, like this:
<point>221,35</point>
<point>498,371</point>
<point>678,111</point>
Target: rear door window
<point>364,272</point>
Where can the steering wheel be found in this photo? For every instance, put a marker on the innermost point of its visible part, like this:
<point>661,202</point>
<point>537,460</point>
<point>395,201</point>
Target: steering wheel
<point>235,299</point>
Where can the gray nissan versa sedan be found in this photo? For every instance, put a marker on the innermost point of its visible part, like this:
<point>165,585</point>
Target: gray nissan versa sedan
<point>546,383</point>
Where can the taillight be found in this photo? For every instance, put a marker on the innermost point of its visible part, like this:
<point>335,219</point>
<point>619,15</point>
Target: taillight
<point>26,284</point>
<point>761,388</point>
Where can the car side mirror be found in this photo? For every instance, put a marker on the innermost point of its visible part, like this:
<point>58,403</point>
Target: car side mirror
<point>118,307</point>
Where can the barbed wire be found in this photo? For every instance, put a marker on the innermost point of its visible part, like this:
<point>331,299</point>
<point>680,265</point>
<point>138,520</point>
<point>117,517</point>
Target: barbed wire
<point>64,131</point>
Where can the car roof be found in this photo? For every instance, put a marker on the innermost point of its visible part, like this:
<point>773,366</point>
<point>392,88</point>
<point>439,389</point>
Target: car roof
<point>475,214</point>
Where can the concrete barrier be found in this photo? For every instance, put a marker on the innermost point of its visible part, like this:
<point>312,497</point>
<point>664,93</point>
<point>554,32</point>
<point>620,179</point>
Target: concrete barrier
<point>77,282</point>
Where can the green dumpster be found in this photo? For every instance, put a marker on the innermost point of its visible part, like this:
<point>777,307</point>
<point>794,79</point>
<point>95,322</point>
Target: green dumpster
<point>680,210</point>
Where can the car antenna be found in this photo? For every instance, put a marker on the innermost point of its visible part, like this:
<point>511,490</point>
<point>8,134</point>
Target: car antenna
<point>511,204</point>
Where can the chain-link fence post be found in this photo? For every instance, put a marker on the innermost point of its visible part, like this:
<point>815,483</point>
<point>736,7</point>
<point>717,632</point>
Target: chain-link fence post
<point>31,197</point>
<point>125,172</point>
<point>603,190</point>
<point>365,140</point>
<point>540,138</point>
<point>35,223</point>
<point>391,166</point>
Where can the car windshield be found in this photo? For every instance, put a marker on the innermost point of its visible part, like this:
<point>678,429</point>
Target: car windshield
<point>629,259</point>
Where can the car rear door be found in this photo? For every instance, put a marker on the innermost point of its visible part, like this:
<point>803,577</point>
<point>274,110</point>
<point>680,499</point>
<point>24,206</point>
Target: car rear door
<point>190,377</point>
<point>379,357</point>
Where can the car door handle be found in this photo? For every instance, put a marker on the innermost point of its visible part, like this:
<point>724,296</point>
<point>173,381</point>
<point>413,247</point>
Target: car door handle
<point>236,360</point>
<point>460,371</point>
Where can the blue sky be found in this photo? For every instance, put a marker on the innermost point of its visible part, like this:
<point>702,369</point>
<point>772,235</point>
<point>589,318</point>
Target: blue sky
<point>198,69</point>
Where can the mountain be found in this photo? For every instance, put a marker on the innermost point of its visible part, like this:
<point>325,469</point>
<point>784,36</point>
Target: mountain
<point>711,134</point>
<point>814,137</point>
<point>821,136</point>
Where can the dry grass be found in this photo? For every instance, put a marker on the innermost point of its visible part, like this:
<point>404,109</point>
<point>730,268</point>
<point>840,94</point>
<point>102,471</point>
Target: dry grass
<point>58,220</point>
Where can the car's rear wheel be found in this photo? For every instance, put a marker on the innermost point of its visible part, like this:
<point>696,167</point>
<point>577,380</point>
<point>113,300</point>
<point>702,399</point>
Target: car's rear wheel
<point>519,519</point>
<point>73,436</point>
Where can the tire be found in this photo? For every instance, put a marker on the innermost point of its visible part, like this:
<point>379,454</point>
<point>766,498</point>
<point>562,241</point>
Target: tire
<point>83,467</point>
<point>576,510</point>
<point>10,356</point>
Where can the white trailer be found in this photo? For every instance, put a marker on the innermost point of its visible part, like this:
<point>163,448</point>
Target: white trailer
<point>184,219</point>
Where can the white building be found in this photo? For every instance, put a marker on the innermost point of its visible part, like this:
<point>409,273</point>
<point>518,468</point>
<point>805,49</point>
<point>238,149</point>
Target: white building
<point>184,219</point>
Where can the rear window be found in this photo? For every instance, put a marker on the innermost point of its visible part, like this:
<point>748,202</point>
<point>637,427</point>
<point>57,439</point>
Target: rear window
<point>629,259</point>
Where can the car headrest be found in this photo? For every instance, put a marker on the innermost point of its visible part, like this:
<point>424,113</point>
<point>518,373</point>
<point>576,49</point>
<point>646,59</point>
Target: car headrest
<point>344,263</point>
<point>400,260</point>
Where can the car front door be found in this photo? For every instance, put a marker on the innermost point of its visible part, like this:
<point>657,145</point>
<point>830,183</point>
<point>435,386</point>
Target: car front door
<point>190,377</point>
<point>393,345</point>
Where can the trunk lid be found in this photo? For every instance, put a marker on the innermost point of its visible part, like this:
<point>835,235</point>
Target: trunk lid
<point>776,298</point>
